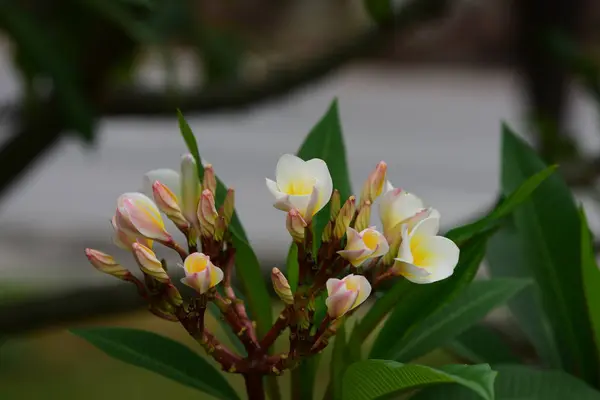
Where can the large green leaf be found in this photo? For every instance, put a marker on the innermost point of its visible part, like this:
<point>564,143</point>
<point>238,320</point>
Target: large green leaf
<point>549,228</point>
<point>591,275</point>
<point>420,301</point>
<point>469,307</point>
<point>160,355</point>
<point>517,382</point>
<point>247,265</point>
<point>505,258</point>
<point>376,379</point>
<point>481,344</point>
<point>507,206</point>
<point>338,362</point>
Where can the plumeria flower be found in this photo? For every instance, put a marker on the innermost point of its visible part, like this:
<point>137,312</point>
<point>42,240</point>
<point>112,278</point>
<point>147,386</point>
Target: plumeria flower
<point>303,185</point>
<point>138,215</point>
<point>397,206</point>
<point>346,294</point>
<point>200,273</point>
<point>363,245</point>
<point>423,256</point>
<point>125,240</point>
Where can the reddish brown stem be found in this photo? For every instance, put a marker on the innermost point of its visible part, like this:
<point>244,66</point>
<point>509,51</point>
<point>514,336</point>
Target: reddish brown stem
<point>247,336</point>
<point>254,386</point>
<point>139,285</point>
<point>276,330</point>
<point>175,246</point>
<point>324,324</point>
<point>382,278</point>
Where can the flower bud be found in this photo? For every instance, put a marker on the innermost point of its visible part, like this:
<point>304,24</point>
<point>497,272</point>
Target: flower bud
<point>295,225</point>
<point>228,206</point>
<point>207,213</point>
<point>167,203</point>
<point>124,240</point>
<point>281,286</point>
<point>138,215</point>
<point>374,184</point>
<point>190,189</point>
<point>388,258</point>
<point>107,264</point>
<point>334,205</point>
<point>173,295</point>
<point>149,264</point>
<point>363,219</point>
<point>363,246</point>
<point>220,228</point>
<point>344,218</point>
<point>200,273</point>
<point>210,180</point>
<point>327,233</point>
<point>346,294</point>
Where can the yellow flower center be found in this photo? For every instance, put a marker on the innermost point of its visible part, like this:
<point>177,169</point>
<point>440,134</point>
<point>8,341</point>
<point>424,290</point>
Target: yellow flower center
<point>371,239</point>
<point>351,285</point>
<point>196,264</point>
<point>300,187</point>
<point>421,257</point>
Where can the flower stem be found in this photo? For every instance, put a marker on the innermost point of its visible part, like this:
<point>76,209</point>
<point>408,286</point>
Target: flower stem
<point>254,386</point>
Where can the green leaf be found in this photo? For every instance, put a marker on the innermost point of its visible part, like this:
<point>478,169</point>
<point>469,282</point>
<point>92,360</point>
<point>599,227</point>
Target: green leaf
<point>469,307</point>
<point>303,378</point>
<point>507,206</point>
<point>293,269</point>
<point>379,10</point>
<point>338,362</point>
<point>160,355</point>
<point>520,383</point>
<point>405,315</point>
<point>505,258</point>
<point>376,379</point>
<point>591,275</point>
<point>550,232</point>
<point>481,344</point>
<point>247,265</point>
<point>325,141</point>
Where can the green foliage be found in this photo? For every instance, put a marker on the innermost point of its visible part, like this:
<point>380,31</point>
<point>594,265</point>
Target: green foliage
<point>591,276</point>
<point>481,344</point>
<point>376,379</point>
<point>160,355</point>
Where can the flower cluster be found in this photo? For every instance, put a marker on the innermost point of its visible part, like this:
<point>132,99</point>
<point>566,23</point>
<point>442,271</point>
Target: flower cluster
<point>353,257</point>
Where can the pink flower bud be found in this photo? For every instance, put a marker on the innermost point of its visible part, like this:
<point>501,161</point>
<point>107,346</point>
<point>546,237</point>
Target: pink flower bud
<point>295,225</point>
<point>374,184</point>
<point>228,206</point>
<point>210,180</point>
<point>107,264</point>
<point>167,203</point>
<point>149,264</point>
<point>346,294</point>
<point>200,273</point>
<point>207,213</point>
<point>342,222</point>
<point>281,286</point>
<point>138,215</point>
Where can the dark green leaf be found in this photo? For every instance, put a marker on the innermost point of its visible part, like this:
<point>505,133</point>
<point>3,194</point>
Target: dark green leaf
<point>338,362</point>
<point>481,344</point>
<point>376,379</point>
<point>520,383</point>
<point>247,265</point>
<point>293,267</point>
<point>469,307</point>
<point>405,315</point>
<point>303,378</point>
<point>160,355</point>
<point>591,275</point>
<point>507,206</point>
<point>505,258</point>
<point>549,228</point>
<point>379,10</point>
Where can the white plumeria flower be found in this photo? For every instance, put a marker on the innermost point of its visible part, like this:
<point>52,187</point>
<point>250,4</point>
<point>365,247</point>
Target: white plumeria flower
<point>346,294</point>
<point>303,185</point>
<point>363,245</point>
<point>138,215</point>
<point>423,256</point>
<point>396,207</point>
<point>200,273</point>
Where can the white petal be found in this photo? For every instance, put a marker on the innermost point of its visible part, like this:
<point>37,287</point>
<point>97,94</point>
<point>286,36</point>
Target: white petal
<point>397,206</point>
<point>333,285</point>
<point>382,247</point>
<point>281,199</point>
<point>354,240</point>
<point>318,169</point>
<point>299,202</point>
<point>404,252</point>
<point>289,167</point>
<point>388,187</point>
<point>413,273</point>
<point>217,275</point>
<point>168,177</point>
<point>273,188</point>
<point>364,290</point>
<point>429,226</point>
<point>438,255</point>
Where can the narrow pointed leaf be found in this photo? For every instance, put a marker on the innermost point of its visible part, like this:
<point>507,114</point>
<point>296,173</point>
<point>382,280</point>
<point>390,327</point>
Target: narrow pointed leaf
<point>591,275</point>
<point>481,344</point>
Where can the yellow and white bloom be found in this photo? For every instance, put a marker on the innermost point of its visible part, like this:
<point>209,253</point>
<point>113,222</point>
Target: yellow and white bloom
<point>138,215</point>
<point>200,273</point>
<point>397,206</point>
<point>346,294</point>
<point>303,185</point>
<point>363,245</point>
<point>423,256</point>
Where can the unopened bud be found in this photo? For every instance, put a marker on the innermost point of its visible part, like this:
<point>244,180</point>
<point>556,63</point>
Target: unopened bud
<point>220,228</point>
<point>374,184</point>
<point>107,264</point>
<point>207,213</point>
<point>342,222</point>
<point>388,258</point>
<point>173,295</point>
<point>228,205</point>
<point>334,205</point>
<point>327,232</point>
<point>167,203</point>
<point>162,308</point>
<point>363,218</point>
<point>149,264</point>
<point>190,189</point>
<point>295,225</point>
<point>281,286</point>
<point>210,180</point>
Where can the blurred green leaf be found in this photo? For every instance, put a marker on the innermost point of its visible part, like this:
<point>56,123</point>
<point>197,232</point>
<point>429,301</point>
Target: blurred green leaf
<point>420,301</point>
<point>468,308</point>
<point>517,382</point>
<point>480,344</point>
<point>591,275</point>
<point>338,362</point>
<point>378,379</point>
<point>247,265</point>
<point>507,206</point>
<point>549,229</point>
<point>123,14</point>
<point>160,355</point>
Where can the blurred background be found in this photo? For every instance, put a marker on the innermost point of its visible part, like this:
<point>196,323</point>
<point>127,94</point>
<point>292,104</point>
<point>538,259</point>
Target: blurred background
<point>88,93</point>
